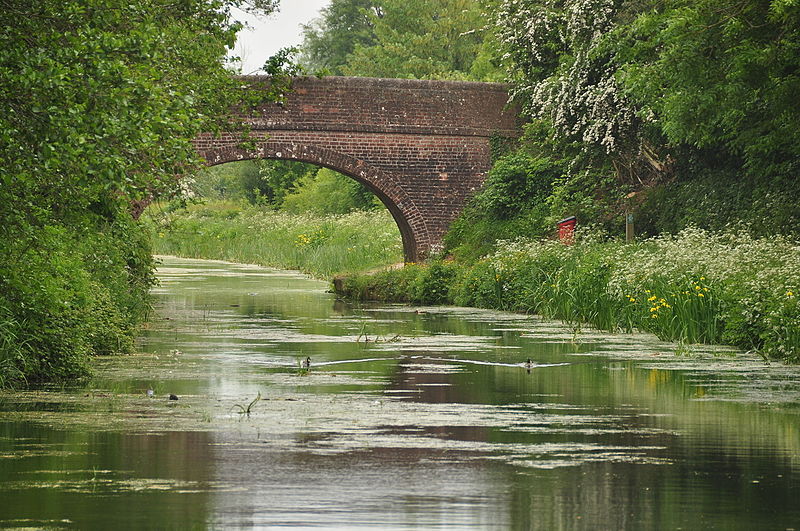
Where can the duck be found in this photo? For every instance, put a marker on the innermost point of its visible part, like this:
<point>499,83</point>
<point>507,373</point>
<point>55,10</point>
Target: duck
<point>528,364</point>
<point>306,363</point>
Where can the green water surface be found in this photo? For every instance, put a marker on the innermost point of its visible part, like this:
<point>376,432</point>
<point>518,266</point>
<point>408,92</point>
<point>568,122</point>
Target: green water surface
<point>408,418</point>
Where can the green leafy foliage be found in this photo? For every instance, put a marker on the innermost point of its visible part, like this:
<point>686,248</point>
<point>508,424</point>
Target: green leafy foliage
<point>276,179</point>
<point>342,26</point>
<point>102,99</point>
<point>646,86</point>
<point>432,285</point>
<point>423,39</point>
<point>69,294</point>
<point>281,68</point>
<point>715,201</point>
<point>517,200</point>
<point>718,74</point>
<point>236,180</point>
<point>514,182</point>
<point>420,39</point>
<point>328,192</point>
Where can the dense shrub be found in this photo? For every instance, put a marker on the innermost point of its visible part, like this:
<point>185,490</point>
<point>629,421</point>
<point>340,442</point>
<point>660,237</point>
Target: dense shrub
<point>432,285</point>
<point>70,296</point>
<point>511,204</point>
<point>715,200</point>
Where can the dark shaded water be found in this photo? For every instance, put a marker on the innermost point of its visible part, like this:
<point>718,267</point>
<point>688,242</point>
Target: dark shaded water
<point>407,418</point>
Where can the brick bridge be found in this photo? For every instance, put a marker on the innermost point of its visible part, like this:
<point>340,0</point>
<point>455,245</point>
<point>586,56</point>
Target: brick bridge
<point>421,146</point>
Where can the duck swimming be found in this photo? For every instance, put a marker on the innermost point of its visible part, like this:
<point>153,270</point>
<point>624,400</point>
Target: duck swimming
<point>306,363</point>
<point>528,364</point>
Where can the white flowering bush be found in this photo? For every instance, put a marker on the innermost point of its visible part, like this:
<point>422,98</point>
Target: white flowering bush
<point>564,73</point>
<point>562,58</point>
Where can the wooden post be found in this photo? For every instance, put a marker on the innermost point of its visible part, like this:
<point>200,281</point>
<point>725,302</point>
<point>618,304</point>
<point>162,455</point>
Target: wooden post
<point>629,234</point>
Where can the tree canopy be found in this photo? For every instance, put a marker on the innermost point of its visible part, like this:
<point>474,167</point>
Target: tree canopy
<point>106,95</point>
<point>422,39</point>
<point>639,80</point>
<point>681,111</point>
<point>101,100</point>
<point>342,26</point>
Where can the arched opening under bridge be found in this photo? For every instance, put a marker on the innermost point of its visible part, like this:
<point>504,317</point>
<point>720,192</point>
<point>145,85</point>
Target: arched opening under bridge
<point>409,220</point>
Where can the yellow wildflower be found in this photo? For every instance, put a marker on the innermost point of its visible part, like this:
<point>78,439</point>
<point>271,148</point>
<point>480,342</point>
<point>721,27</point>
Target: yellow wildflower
<point>701,295</point>
<point>651,299</point>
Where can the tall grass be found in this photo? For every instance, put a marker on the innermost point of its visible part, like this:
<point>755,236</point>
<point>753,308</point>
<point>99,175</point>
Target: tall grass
<point>319,245</point>
<point>12,349</point>
<point>695,286</point>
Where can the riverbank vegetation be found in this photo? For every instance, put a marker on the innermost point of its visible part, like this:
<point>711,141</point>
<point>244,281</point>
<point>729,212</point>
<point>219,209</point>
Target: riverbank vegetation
<point>99,115</point>
<point>278,213</point>
<point>695,286</point>
<point>321,244</point>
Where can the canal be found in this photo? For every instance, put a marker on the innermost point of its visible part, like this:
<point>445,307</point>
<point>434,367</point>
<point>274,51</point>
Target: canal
<point>406,417</point>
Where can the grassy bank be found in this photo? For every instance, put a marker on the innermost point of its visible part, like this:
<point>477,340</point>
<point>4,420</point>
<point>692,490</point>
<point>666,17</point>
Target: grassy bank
<point>696,286</point>
<point>316,244</point>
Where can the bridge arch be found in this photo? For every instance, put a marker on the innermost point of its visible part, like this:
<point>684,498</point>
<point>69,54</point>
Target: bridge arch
<point>423,147</point>
<point>409,219</point>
